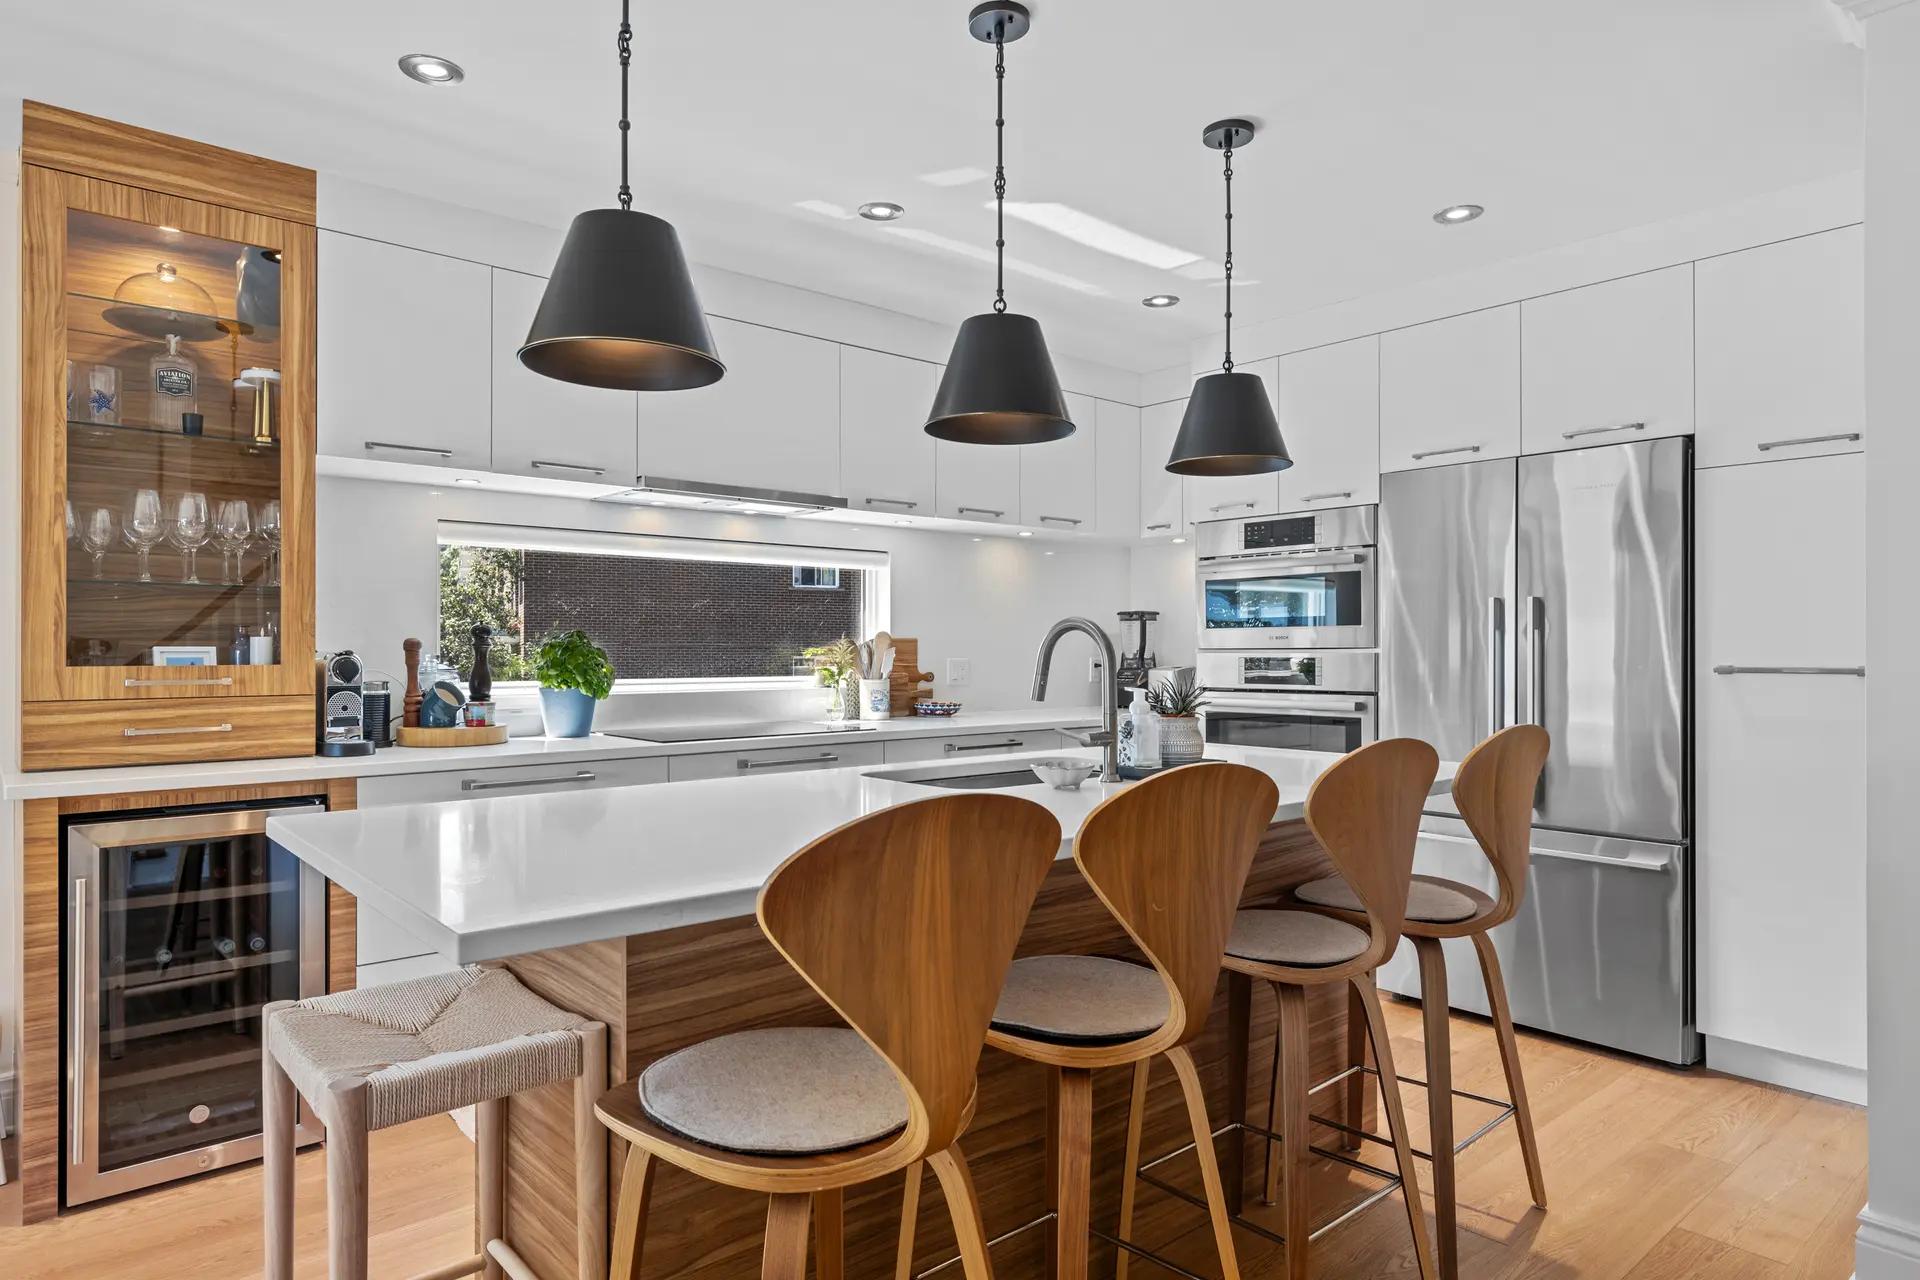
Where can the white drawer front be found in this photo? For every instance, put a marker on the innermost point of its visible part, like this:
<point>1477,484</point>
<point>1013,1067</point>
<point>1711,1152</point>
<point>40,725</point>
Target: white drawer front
<point>961,746</point>
<point>373,975</point>
<point>773,760</point>
<point>510,780</point>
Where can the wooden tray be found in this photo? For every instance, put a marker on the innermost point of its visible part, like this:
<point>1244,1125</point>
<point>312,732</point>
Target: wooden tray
<point>491,735</point>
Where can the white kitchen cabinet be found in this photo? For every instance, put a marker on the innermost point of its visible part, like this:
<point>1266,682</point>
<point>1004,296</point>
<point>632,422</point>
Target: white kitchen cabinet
<point>968,745</point>
<point>1329,403</point>
<point>544,427</point>
<point>1781,342</point>
<point>773,422</point>
<point>1059,479</point>
<point>977,481</point>
<point>773,760</point>
<point>1450,390</point>
<point>1117,477</point>
<point>1608,362</point>
<point>509,780</point>
<point>403,346</point>
<point>1780,872</point>
<point>1232,497</point>
<point>886,455</point>
<point>1162,495</point>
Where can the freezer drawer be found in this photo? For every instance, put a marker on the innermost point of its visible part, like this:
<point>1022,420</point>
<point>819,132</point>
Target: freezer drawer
<point>1599,952</point>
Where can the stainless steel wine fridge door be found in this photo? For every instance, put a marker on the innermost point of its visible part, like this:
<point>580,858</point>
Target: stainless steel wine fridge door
<point>180,930</point>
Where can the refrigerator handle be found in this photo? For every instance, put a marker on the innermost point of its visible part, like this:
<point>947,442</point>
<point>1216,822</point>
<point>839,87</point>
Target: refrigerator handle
<point>1536,659</point>
<point>80,952</point>
<point>1496,664</point>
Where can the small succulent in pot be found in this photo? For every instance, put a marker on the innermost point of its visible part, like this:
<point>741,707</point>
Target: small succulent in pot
<point>1177,702</point>
<point>837,666</point>
<point>574,674</point>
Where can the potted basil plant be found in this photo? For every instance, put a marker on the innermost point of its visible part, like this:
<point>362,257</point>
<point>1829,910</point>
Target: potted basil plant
<point>574,674</point>
<point>1177,703</point>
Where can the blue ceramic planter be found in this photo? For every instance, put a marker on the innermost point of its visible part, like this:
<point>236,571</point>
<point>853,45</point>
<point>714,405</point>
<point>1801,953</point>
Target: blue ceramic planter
<point>567,713</point>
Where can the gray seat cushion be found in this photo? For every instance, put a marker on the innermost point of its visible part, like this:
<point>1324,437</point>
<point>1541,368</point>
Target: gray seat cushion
<point>1298,938</point>
<point>777,1091</point>
<point>1427,902</point>
<point>1081,999</point>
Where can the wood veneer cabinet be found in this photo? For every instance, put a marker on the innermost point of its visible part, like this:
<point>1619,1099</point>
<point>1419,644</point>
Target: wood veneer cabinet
<point>159,277</point>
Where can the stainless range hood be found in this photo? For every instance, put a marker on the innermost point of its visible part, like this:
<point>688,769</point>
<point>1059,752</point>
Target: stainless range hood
<point>700,495</point>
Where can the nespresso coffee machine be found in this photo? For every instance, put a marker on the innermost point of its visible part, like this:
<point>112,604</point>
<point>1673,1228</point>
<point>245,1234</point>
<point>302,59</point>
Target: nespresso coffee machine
<point>339,686</point>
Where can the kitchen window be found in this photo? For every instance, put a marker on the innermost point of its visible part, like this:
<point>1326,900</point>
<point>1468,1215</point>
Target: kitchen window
<point>665,609</point>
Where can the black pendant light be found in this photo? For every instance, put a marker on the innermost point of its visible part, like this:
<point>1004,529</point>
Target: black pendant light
<point>619,310</point>
<point>1229,428</point>
<point>999,387</point>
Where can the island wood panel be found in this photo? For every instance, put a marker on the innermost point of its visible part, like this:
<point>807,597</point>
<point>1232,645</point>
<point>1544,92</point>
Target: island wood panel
<point>40,1070</point>
<point>686,985</point>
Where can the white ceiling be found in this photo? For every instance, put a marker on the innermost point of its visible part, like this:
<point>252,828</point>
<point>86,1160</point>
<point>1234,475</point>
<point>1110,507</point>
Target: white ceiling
<point>1565,118</point>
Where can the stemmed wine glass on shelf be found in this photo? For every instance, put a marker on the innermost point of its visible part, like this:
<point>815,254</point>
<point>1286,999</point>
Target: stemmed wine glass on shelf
<point>232,532</point>
<point>145,526</point>
<point>266,527</point>
<point>101,531</point>
<point>188,530</point>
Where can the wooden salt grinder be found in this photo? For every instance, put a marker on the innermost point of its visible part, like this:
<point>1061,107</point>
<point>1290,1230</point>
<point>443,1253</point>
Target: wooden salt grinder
<point>411,703</point>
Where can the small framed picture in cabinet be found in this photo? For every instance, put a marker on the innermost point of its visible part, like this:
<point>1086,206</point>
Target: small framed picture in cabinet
<point>183,655</point>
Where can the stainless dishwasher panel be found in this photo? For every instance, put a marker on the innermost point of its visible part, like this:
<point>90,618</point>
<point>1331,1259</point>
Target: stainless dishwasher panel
<point>1600,950</point>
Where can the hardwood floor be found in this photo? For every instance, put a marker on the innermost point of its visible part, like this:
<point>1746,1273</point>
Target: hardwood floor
<point>1651,1175</point>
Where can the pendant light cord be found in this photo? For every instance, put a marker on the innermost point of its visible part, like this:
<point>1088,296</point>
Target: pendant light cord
<point>999,173</point>
<point>626,126</point>
<point>1227,365</point>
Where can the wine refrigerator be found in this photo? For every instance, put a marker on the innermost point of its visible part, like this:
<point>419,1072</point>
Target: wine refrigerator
<point>182,925</point>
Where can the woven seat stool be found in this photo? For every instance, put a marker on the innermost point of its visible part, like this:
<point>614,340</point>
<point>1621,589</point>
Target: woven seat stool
<point>380,1056</point>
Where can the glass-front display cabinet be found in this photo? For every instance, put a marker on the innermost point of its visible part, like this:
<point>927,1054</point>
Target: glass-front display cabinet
<point>168,388</point>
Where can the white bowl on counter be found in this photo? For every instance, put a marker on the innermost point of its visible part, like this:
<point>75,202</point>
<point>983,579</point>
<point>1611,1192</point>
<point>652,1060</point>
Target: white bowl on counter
<point>1064,775</point>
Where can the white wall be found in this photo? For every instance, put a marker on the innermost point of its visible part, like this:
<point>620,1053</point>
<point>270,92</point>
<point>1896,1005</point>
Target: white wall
<point>1162,578</point>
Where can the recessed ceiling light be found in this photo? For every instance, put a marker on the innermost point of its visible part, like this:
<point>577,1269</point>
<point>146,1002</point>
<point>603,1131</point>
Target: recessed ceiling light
<point>1098,233</point>
<point>1046,553</point>
<point>430,68</point>
<point>1026,533</point>
<point>1161,300</point>
<point>881,210</point>
<point>465,480</point>
<point>1179,539</point>
<point>1458,213</point>
<point>979,539</point>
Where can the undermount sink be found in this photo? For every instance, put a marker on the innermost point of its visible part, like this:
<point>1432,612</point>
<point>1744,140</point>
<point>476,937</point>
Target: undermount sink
<point>981,781</point>
<point>980,775</point>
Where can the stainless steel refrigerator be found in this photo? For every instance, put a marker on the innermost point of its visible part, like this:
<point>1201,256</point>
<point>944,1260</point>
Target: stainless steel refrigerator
<point>1555,589</point>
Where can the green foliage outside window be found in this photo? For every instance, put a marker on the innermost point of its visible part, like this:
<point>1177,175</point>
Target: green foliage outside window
<point>482,585</point>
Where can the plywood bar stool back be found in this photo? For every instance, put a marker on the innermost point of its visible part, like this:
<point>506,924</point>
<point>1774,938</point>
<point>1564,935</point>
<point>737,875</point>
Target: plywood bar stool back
<point>385,1055</point>
<point>1169,858</point>
<point>905,922</point>
<point>1494,791</point>
<point>1365,812</point>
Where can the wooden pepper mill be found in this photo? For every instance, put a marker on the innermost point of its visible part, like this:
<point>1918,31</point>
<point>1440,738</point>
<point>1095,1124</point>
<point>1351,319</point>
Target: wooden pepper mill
<point>410,716</point>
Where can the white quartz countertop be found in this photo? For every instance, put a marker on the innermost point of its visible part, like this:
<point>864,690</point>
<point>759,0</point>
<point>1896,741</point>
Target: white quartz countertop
<point>482,879</point>
<point>515,751</point>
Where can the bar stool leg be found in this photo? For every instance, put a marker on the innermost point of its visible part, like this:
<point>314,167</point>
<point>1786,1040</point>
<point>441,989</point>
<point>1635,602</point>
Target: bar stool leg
<point>956,1181</point>
<point>1396,1122</point>
<point>1290,1090</point>
<point>1239,1045</point>
<point>347,1179</point>
<point>829,1236</point>
<point>1510,1061</point>
<point>1183,1067</point>
<point>1434,1008</point>
<point>630,1226</point>
<point>909,1214</point>
<point>279,1107</point>
<point>1130,1175</point>
<point>1356,1091</point>
<point>1073,1191</point>
<point>1271,1195</point>
<point>785,1256</point>
<point>1053,1163</point>
<point>490,1193</point>
<point>590,1155</point>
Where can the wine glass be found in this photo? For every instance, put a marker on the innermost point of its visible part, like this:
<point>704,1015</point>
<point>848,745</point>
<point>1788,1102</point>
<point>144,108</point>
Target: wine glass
<point>188,530</point>
<point>102,531</point>
<point>145,526</point>
<point>73,526</point>
<point>266,524</point>
<point>232,531</point>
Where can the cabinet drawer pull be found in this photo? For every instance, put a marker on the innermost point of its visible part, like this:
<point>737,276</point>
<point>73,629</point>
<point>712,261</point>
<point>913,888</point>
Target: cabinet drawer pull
<point>132,683</point>
<point>189,728</point>
<point>1231,506</point>
<point>1726,669</point>
<point>371,445</point>
<point>785,764</point>
<point>1321,497</point>
<point>903,503</point>
<point>1152,527</point>
<point>1600,431</point>
<point>543,464</point>
<point>1786,444</point>
<point>952,747</point>
<point>1441,453</point>
<point>1061,520</point>
<point>981,511</point>
<point>475,784</point>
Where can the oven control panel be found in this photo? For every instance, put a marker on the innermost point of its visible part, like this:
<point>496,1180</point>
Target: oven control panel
<point>1281,534</point>
<point>1344,670</point>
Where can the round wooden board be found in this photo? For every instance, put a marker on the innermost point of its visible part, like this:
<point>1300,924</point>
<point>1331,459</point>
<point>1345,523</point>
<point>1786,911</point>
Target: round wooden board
<point>486,736</point>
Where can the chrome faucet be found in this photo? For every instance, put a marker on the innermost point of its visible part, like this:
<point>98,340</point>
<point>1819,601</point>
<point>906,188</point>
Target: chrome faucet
<point>1108,737</point>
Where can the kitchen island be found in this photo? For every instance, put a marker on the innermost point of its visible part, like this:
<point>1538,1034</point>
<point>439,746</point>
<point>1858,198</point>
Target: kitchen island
<point>634,905</point>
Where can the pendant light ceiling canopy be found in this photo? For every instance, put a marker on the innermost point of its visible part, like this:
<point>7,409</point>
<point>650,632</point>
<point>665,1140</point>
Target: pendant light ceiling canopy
<point>999,386</point>
<point>620,310</point>
<point>1229,428</point>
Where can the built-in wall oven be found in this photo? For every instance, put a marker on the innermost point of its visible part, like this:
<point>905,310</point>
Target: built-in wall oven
<point>181,926</point>
<point>1321,700</point>
<point>1302,581</point>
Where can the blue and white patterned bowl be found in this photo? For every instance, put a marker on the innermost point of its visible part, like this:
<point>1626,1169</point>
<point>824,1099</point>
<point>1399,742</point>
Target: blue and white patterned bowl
<point>935,708</point>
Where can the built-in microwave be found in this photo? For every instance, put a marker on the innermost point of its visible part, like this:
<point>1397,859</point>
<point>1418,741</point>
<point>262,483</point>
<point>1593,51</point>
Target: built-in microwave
<point>1303,581</point>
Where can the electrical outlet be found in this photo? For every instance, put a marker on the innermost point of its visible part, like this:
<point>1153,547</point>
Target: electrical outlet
<point>1093,670</point>
<point>959,671</point>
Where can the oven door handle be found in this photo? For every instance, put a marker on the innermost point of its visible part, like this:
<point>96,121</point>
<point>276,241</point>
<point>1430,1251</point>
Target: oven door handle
<point>1238,566</point>
<point>1344,710</point>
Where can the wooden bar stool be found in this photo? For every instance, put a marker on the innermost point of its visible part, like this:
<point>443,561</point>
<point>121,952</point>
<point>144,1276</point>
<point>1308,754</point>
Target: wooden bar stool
<point>380,1056</point>
<point>1169,858</point>
<point>1365,812</point>
<point>1494,792</point>
<point>905,922</point>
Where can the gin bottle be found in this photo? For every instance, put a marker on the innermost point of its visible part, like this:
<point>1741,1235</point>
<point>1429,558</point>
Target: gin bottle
<point>175,383</point>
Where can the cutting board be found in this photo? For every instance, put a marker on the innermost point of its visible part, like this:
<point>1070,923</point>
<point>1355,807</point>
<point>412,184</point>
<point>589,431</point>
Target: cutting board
<point>903,689</point>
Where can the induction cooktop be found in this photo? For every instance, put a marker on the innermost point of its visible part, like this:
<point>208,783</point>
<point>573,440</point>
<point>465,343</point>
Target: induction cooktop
<point>720,732</point>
